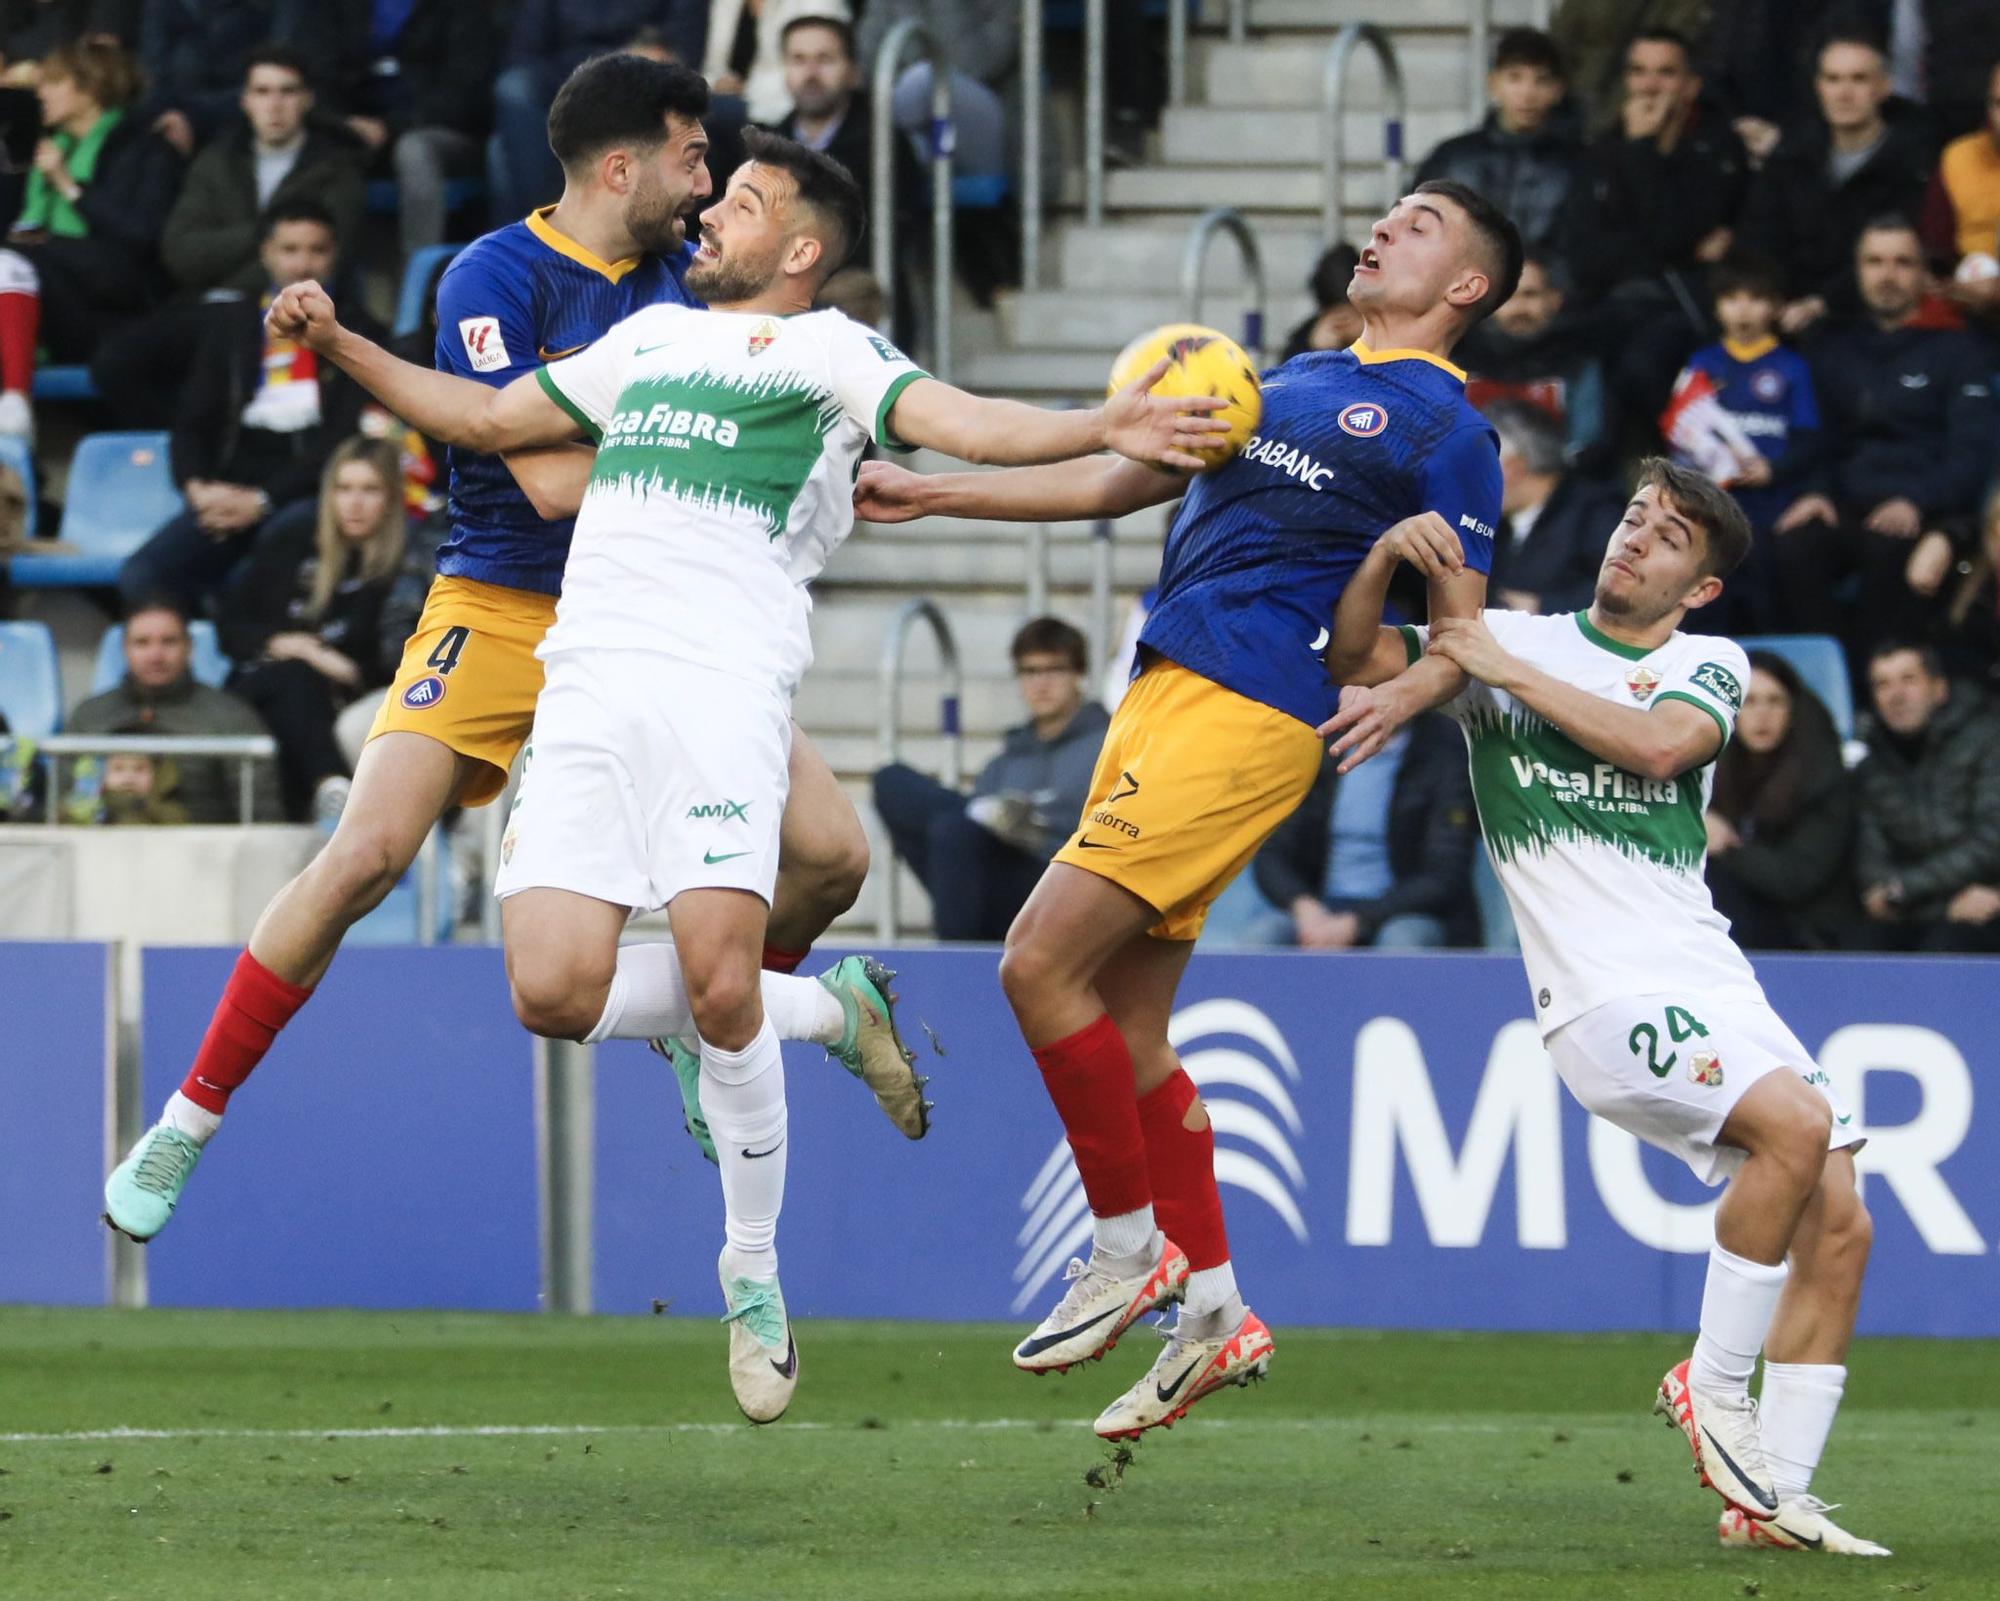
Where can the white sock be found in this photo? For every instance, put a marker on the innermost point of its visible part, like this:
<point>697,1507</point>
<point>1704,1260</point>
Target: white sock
<point>1124,1234</point>
<point>743,1098</point>
<point>183,1116</point>
<point>1736,1309</point>
<point>648,1001</point>
<point>1210,1289</point>
<point>1795,1417</point>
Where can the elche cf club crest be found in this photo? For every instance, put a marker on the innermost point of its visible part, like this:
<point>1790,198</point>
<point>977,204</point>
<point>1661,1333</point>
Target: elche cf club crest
<point>763,336</point>
<point>1642,681</point>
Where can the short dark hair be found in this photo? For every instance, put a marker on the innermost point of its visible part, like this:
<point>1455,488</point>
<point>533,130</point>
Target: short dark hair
<point>1499,243</point>
<point>1847,33</point>
<point>814,19</point>
<point>1746,275</point>
<point>1933,663</point>
<point>1529,47</point>
<point>278,55</point>
<point>1050,636</point>
<point>1725,531</point>
<point>825,188</point>
<point>621,99</point>
<point>159,600</point>
<point>299,208</point>
<point>1664,35</point>
<point>1890,222</point>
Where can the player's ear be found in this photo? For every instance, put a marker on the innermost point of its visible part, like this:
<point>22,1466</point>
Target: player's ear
<point>1469,290</point>
<point>1704,593</point>
<point>804,254</point>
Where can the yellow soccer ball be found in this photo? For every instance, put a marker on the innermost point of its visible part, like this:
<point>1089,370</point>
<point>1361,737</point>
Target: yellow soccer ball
<point>1205,362</point>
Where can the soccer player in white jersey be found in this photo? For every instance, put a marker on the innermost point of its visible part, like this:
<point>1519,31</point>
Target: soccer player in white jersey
<point>1592,737</point>
<point>728,442</point>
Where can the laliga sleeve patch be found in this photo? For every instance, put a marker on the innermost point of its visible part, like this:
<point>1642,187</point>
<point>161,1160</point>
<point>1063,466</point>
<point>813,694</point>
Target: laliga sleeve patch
<point>484,347</point>
<point>1720,682</point>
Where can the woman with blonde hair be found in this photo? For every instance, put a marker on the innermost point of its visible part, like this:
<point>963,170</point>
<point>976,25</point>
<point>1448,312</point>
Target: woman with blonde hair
<point>302,619</point>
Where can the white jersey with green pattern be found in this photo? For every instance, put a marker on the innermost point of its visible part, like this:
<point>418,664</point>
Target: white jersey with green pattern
<point>727,447</point>
<point>1602,867</point>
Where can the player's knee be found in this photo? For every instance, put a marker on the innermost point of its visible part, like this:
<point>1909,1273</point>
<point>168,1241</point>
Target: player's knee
<point>552,1001</point>
<point>1029,971</point>
<point>359,866</point>
<point>1801,1139</point>
<point>727,1002</point>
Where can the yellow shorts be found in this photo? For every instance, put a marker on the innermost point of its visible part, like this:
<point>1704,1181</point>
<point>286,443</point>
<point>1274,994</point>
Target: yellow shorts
<point>1191,780</point>
<point>469,676</point>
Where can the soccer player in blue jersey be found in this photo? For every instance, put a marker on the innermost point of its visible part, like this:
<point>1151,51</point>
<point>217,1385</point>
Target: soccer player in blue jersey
<point>628,132</point>
<point>1214,744</point>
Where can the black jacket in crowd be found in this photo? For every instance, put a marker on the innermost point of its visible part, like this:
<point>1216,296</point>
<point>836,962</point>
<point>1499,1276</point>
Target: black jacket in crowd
<point>1432,836</point>
<point>1808,224</point>
<point>194,51</point>
<point>210,439</point>
<point>851,145</point>
<point>271,594</point>
<point>444,60</point>
<point>1527,175</point>
<point>1930,807</point>
<point>1054,772</point>
<point>1641,211</point>
<point>213,233</point>
<point>1906,411</point>
<point>1557,561</point>
<point>30,29</point>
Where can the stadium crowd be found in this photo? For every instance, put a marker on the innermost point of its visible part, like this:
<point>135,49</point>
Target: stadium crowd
<point>1766,236</point>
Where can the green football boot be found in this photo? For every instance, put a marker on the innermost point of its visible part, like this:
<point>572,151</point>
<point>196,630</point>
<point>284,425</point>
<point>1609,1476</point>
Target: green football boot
<point>687,1071</point>
<point>144,1189</point>
<point>869,1046</point>
<point>763,1356</point>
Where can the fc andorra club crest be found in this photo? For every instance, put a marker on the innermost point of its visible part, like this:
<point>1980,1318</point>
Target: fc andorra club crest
<point>1642,681</point>
<point>1364,419</point>
<point>1705,1067</point>
<point>763,336</point>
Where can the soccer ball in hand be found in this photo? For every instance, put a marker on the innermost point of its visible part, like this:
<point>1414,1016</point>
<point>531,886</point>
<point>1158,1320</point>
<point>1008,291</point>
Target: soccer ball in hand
<point>1204,362</point>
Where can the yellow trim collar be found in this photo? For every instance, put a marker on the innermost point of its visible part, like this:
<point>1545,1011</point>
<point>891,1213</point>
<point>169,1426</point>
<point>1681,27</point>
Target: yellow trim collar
<point>561,243</point>
<point>1756,350</point>
<point>1369,358</point>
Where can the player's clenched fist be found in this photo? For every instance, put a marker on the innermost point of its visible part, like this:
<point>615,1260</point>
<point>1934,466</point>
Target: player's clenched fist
<point>1427,542</point>
<point>1468,642</point>
<point>302,312</point>
<point>886,493</point>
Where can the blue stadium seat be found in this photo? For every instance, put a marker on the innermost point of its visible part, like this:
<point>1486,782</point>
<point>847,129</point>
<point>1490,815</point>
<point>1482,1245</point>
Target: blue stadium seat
<point>980,191</point>
<point>211,667</point>
<point>410,307</point>
<point>1819,660</point>
<point>30,679</point>
<point>16,452</point>
<point>121,488</point>
<point>384,197</point>
<point>64,383</point>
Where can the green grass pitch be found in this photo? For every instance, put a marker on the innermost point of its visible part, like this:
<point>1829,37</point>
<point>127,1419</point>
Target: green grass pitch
<point>917,1463</point>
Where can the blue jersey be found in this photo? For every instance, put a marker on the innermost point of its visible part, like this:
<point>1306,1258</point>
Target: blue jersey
<point>1351,442</point>
<point>510,302</point>
<point>1768,389</point>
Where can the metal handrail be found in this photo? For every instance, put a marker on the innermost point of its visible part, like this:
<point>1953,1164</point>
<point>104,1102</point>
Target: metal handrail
<point>1194,268</point>
<point>1033,28</point>
<point>1094,112</point>
<point>1478,56</point>
<point>1239,21</point>
<point>889,738</point>
<point>1177,40</point>
<point>1333,94</point>
<point>943,144</point>
<point>1102,533</point>
<point>249,749</point>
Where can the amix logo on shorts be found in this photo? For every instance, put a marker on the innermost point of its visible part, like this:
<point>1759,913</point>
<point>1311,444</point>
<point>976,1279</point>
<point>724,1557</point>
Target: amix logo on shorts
<point>720,811</point>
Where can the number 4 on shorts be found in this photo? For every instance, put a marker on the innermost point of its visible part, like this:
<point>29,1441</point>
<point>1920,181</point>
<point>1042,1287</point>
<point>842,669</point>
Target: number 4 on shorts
<point>445,657</point>
<point>1682,1025</point>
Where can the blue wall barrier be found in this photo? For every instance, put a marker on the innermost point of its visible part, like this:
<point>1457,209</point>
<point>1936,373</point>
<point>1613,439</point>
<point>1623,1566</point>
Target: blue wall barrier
<point>1395,1150</point>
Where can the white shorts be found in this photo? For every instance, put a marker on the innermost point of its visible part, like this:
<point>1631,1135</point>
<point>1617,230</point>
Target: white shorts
<point>1671,1072</point>
<point>646,776</point>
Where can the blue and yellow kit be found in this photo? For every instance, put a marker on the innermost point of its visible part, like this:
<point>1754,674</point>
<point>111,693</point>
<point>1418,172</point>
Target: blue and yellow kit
<point>509,302</point>
<point>1214,744</point>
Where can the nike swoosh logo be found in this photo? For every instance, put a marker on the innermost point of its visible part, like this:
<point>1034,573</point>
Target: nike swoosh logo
<point>1842,1121</point>
<point>1094,845</point>
<point>1811,1541</point>
<point>710,859</point>
<point>1167,1392</point>
<point>557,355</point>
<point>1741,1477</point>
<point>753,1155</point>
<point>790,1366</point>
<point>1034,1347</point>
<point>647,350</point>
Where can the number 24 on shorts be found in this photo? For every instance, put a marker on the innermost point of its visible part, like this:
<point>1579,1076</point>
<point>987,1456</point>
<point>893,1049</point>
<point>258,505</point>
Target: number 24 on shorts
<point>1682,1025</point>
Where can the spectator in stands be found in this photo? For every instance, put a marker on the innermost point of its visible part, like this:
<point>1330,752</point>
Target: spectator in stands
<point>160,695</point>
<point>1659,203</point>
<point>985,40</point>
<point>854,292</point>
<point>1540,349</point>
<point>1334,323</point>
<point>1967,630</point>
<point>1939,51</point>
<point>978,858</point>
<point>21,780</point>
<point>1860,158</point>
<point>194,53</point>
<point>257,421</point>
<point>1781,819</point>
<point>83,253</point>
<point>1757,60</point>
<point>830,110</point>
<point>1909,422</point>
<point>30,29</point>
<point>413,83</point>
<point>1553,522</point>
<point>1521,157</point>
<point>1380,859</point>
<point>1595,37</point>
<point>124,787</point>
<point>303,618</point>
<point>1962,212</point>
<point>1929,853</point>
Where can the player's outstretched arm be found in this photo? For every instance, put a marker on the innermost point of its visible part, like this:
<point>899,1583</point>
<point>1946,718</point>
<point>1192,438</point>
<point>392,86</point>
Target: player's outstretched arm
<point>1158,430</point>
<point>455,410</point>
<point>1671,738</point>
<point>1096,486</point>
<point>553,478</point>
<point>1362,650</point>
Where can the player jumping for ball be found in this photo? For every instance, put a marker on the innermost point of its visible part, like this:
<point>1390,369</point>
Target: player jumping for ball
<point>1593,737</point>
<point>1212,747</point>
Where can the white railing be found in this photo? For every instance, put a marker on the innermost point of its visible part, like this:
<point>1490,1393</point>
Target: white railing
<point>941,145</point>
<point>1333,138</point>
<point>889,731</point>
<point>1194,270</point>
<point>245,749</point>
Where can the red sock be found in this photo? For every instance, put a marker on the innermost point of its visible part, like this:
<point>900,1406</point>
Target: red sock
<point>255,1004</point>
<point>1181,1163</point>
<point>779,960</point>
<point>1089,1077</point>
<point>20,327</point>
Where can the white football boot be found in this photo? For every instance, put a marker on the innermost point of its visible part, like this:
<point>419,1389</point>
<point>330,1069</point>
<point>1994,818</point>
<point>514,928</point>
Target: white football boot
<point>763,1357</point>
<point>1802,1524</point>
<point>1099,1306</point>
<point>1722,1433</point>
<point>1185,1371</point>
